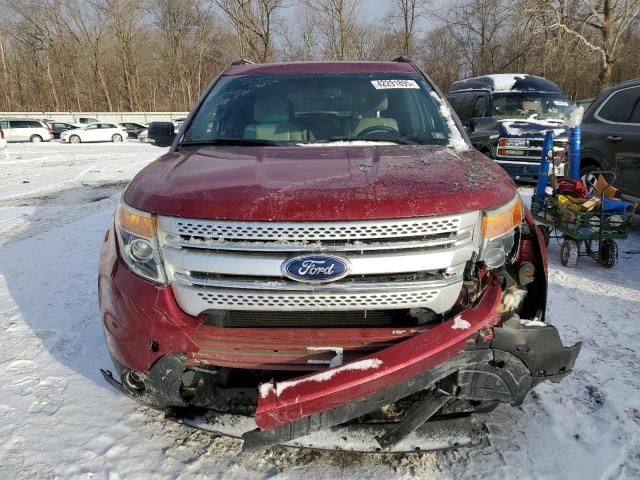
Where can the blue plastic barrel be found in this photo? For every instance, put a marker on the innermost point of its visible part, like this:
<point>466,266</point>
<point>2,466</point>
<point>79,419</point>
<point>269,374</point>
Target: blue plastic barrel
<point>574,153</point>
<point>545,160</point>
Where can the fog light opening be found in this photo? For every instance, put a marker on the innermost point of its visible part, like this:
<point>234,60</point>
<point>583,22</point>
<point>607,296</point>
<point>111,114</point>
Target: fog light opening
<point>133,381</point>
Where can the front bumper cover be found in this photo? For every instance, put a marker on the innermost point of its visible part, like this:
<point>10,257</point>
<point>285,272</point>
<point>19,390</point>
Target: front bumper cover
<point>458,361</point>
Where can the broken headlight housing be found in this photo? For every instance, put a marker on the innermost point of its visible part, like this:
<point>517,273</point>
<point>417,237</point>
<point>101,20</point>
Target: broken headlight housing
<point>499,227</point>
<point>138,242</point>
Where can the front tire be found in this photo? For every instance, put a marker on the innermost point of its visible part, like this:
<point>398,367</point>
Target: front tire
<point>75,139</point>
<point>35,139</point>
<point>569,253</point>
<point>116,138</point>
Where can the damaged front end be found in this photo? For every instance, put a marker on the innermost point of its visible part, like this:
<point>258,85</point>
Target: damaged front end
<point>387,387</point>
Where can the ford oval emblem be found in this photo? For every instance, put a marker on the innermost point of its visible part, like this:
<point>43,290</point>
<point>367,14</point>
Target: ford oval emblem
<point>316,268</point>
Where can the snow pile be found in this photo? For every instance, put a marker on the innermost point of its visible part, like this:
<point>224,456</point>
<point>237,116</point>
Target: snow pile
<point>455,139</point>
<point>515,127</point>
<point>460,323</point>
<point>504,82</point>
<point>323,376</point>
<point>532,323</point>
<point>575,117</point>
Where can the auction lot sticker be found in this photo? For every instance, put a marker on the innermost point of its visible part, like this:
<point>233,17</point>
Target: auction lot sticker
<point>386,84</point>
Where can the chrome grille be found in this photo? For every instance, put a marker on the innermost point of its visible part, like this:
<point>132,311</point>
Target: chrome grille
<point>395,264</point>
<point>311,231</point>
<point>438,297</point>
<point>533,149</point>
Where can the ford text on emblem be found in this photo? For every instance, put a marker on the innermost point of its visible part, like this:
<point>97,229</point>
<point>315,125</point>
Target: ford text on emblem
<point>316,268</point>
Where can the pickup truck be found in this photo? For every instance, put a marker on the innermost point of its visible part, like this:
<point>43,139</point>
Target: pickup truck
<point>524,107</point>
<point>321,249</point>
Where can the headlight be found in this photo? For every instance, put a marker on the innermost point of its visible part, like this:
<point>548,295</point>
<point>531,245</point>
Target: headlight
<point>137,238</point>
<point>498,232</point>
<point>512,142</point>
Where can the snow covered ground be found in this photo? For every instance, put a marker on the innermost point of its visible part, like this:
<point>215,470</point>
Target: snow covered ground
<point>59,419</point>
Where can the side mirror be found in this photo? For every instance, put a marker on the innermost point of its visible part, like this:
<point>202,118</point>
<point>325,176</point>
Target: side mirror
<point>483,129</point>
<point>161,134</point>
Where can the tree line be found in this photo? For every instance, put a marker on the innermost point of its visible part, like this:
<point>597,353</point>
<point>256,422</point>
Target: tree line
<point>158,55</point>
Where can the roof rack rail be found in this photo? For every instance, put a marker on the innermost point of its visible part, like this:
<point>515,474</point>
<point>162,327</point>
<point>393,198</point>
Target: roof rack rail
<point>242,61</point>
<point>402,59</point>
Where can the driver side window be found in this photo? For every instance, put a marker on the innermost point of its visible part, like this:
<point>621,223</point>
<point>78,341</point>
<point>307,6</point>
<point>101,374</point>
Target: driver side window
<point>480,107</point>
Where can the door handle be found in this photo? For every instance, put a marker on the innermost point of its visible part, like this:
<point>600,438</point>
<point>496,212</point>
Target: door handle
<point>614,138</point>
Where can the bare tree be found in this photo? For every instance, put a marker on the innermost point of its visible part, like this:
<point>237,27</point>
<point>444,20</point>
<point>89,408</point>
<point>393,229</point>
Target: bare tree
<point>441,43</point>
<point>608,20</point>
<point>301,42</point>
<point>404,15</point>
<point>125,17</point>
<point>253,22</point>
<point>160,54</point>
<point>337,22</point>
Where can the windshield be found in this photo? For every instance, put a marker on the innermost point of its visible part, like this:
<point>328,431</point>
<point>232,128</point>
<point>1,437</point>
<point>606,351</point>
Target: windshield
<point>293,109</point>
<point>531,106</point>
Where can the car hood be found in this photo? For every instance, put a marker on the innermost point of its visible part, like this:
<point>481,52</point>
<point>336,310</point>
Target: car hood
<point>316,183</point>
<point>531,128</point>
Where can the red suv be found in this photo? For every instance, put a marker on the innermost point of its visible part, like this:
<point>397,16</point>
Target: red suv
<point>322,248</point>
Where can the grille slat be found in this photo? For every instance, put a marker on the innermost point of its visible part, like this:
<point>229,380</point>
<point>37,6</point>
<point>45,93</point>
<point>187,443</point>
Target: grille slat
<point>375,318</point>
<point>196,300</point>
<point>311,301</point>
<point>304,231</point>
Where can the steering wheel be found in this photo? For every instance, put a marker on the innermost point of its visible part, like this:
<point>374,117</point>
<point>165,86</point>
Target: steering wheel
<point>377,130</point>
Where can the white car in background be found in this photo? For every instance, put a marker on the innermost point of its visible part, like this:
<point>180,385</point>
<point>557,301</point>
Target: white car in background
<point>143,136</point>
<point>95,132</point>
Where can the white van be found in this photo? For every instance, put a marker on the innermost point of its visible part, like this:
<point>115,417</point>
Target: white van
<point>25,130</point>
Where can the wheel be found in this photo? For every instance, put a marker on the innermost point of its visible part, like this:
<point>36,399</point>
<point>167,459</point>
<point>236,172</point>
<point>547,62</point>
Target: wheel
<point>74,139</point>
<point>546,233</point>
<point>116,138</point>
<point>569,253</point>
<point>588,178</point>
<point>36,138</point>
<point>608,253</point>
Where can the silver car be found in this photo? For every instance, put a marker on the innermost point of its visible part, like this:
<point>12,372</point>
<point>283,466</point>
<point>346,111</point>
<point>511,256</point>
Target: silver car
<point>25,130</point>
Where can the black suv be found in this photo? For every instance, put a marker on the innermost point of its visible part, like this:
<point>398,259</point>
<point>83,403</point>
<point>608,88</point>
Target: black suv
<point>611,137</point>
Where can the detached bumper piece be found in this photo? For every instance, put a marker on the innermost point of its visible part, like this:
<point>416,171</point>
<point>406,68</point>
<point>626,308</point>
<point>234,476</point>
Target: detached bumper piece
<point>436,434</point>
<point>504,372</point>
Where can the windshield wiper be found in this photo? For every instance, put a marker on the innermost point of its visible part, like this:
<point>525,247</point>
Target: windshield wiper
<point>399,140</point>
<point>251,142</point>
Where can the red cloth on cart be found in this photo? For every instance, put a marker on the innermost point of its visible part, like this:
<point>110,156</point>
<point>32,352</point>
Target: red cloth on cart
<point>572,188</point>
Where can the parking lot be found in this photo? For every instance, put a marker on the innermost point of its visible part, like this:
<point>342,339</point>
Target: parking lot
<point>55,203</point>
